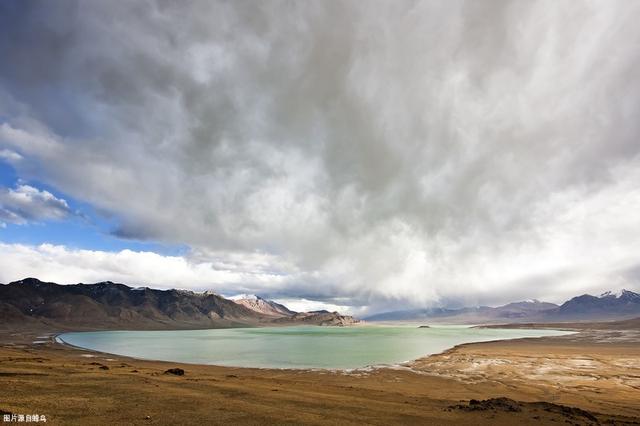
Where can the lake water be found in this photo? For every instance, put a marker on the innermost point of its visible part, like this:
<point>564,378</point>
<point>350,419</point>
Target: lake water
<point>292,347</point>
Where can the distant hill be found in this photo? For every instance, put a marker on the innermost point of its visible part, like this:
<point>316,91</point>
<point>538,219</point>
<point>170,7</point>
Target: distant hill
<point>262,306</point>
<point>283,315</point>
<point>608,306</point>
<point>108,305</point>
<point>319,318</point>
<point>512,311</point>
<point>628,324</point>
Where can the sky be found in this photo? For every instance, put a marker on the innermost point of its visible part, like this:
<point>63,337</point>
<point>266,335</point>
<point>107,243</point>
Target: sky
<point>362,156</point>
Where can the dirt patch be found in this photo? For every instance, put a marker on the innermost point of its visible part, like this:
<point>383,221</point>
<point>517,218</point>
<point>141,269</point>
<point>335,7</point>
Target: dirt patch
<point>497,404</point>
<point>509,405</point>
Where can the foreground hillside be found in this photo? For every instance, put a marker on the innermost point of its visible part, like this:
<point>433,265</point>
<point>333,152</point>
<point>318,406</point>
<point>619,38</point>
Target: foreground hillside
<point>108,305</point>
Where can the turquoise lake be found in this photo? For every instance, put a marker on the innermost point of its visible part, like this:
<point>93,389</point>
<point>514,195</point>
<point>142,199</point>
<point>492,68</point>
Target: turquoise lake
<point>292,347</point>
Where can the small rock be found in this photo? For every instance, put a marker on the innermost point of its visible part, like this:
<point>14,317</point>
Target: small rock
<point>175,371</point>
<point>103,367</point>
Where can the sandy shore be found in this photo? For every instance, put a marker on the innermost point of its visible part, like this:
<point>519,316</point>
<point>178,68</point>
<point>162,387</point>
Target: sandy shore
<point>597,371</point>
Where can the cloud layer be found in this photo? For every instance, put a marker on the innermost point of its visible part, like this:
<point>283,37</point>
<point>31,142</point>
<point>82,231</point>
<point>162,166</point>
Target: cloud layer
<point>224,276</point>
<point>28,204</point>
<point>381,153</point>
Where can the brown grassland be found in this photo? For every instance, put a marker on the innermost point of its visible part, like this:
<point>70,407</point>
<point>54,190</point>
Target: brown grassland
<point>587,378</point>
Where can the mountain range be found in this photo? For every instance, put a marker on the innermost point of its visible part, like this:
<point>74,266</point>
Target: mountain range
<point>608,306</point>
<point>108,305</point>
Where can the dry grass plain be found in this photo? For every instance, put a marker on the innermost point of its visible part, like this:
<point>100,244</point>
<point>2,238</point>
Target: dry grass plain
<point>548,381</point>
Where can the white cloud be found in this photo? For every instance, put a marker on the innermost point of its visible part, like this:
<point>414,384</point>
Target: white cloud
<point>304,305</point>
<point>9,156</point>
<point>65,265</point>
<point>69,266</point>
<point>26,203</point>
<point>33,141</point>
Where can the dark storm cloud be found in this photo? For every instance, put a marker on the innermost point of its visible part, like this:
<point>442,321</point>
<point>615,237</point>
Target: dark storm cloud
<point>391,151</point>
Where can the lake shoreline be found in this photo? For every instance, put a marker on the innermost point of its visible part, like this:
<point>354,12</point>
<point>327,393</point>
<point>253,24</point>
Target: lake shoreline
<point>271,348</point>
<point>72,386</point>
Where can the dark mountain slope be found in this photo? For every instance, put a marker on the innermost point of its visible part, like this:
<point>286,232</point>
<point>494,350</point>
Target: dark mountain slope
<point>625,304</point>
<point>108,305</point>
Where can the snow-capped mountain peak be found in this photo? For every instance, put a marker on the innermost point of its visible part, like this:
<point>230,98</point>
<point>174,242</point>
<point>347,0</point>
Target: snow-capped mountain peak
<point>620,293</point>
<point>244,297</point>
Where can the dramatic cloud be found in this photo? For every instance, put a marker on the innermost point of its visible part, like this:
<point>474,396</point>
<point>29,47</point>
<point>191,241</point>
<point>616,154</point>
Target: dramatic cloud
<point>387,152</point>
<point>59,264</point>
<point>26,204</point>
<point>68,266</point>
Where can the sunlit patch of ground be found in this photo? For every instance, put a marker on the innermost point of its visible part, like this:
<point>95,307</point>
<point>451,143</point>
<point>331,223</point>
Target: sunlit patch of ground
<point>595,365</point>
